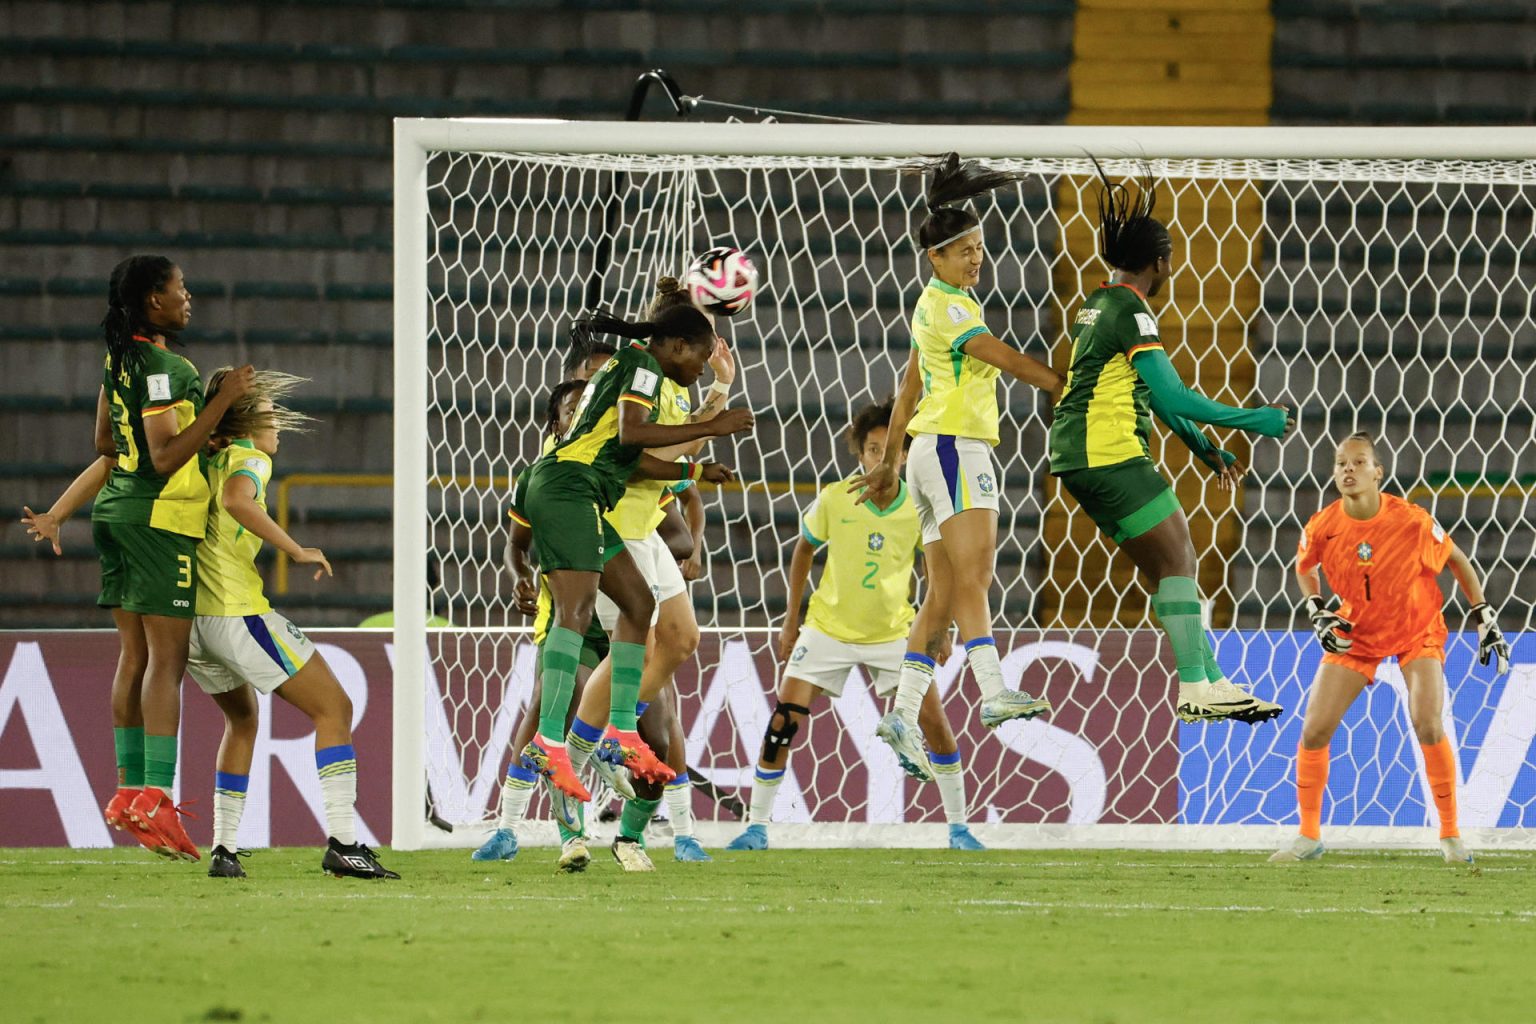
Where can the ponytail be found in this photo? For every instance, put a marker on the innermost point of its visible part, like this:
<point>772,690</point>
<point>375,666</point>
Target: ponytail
<point>1130,238</point>
<point>133,280</point>
<point>680,321</point>
<point>953,183</point>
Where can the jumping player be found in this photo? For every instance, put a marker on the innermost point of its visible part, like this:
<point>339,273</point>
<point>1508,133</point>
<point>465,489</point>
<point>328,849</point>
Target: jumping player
<point>859,616</point>
<point>1098,442</point>
<point>1381,555</point>
<point>948,403</point>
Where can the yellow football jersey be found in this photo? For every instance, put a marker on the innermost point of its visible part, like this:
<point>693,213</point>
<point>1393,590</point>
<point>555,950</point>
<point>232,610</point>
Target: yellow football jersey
<point>640,511</point>
<point>864,594</point>
<point>227,580</point>
<point>959,393</point>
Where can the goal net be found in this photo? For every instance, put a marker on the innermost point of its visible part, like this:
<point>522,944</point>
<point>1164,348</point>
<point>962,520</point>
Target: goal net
<point>1371,279</point>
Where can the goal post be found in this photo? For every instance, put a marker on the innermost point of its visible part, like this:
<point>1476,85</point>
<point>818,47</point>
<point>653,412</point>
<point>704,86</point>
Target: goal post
<point>1374,277</point>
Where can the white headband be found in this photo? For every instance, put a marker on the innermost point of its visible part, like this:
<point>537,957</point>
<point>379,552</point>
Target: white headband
<point>956,238</point>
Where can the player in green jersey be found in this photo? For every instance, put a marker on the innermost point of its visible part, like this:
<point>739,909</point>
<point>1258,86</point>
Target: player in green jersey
<point>948,404</point>
<point>1120,375</point>
<point>569,489</point>
<point>151,423</point>
<point>859,617</point>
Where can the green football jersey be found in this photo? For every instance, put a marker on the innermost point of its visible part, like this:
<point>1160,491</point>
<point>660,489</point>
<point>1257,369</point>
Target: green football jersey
<point>165,384</point>
<point>592,442</point>
<point>1104,416</point>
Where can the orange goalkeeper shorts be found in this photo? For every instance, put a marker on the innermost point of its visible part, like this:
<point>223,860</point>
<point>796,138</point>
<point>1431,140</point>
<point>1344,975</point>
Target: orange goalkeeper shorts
<point>1430,645</point>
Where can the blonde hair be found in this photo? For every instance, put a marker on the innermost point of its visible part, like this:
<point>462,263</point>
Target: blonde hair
<point>245,417</point>
<point>669,293</point>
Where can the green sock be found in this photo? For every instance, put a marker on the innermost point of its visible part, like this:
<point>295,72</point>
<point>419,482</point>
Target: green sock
<point>1213,671</point>
<point>562,654</point>
<point>1177,604</point>
<point>637,814</point>
<point>130,756</point>
<point>160,761</point>
<point>628,664</point>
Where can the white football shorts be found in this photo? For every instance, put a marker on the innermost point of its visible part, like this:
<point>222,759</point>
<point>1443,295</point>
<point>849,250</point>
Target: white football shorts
<point>825,663</point>
<point>228,651</point>
<point>948,475</point>
<point>659,569</point>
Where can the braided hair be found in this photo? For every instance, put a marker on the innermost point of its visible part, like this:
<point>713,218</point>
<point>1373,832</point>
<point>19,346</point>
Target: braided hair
<point>1130,238</point>
<point>953,182</point>
<point>584,344</point>
<point>133,281</point>
<point>557,395</point>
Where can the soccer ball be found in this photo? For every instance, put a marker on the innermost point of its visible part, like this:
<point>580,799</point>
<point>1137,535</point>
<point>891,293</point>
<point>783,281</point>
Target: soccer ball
<point>721,280</point>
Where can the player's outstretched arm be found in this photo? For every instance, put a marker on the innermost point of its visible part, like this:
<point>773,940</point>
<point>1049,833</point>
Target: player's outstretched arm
<point>996,352</point>
<point>1170,392</point>
<point>799,574</point>
<point>240,502</point>
<point>1491,645</point>
<point>45,525</point>
<point>692,505</point>
<point>880,484</point>
<point>1219,461</point>
<point>635,427</point>
<point>649,467</point>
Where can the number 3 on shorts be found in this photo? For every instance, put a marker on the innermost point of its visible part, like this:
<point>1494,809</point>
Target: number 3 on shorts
<point>183,571</point>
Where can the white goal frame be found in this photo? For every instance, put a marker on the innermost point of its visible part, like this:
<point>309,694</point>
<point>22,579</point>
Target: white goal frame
<point>415,139</point>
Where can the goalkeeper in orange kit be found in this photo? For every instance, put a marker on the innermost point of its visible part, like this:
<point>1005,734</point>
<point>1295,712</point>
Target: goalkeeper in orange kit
<point>1382,556</point>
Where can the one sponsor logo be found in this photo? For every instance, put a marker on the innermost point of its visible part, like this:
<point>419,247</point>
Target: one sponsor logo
<point>1364,551</point>
<point>876,541</point>
<point>984,483</point>
<point>181,603</point>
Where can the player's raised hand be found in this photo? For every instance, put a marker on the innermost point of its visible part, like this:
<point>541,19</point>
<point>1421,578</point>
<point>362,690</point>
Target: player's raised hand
<point>723,362</point>
<point>732,421</point>
<point>1229,473</point>
<point>1329,626</point>
<point>314,556</point>
<point>1490,640</point>
<point>879,485</point>
<point>42,526</point>
<point>1290,417</point>
<point>238,382</point>
<point>691,567</point>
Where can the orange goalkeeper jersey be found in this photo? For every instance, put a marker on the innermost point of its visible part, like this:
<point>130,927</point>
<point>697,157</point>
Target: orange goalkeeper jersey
<point>1383,569</point>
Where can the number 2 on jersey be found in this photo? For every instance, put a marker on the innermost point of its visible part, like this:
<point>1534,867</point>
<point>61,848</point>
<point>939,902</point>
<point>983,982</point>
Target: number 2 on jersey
<point>868,581</point>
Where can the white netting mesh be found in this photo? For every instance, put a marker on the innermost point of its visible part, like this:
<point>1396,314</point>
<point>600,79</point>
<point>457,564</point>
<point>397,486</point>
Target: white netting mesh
<point>1382,295</point>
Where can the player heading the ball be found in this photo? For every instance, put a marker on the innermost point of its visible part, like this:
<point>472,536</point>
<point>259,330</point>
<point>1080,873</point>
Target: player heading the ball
<point>1381,554</point>
<point>566,493</point>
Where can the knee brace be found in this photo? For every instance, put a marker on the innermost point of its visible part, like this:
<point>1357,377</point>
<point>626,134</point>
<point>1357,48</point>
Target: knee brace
<point>781,729</point>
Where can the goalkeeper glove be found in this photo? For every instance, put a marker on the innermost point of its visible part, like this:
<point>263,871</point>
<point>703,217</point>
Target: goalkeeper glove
<point>1490,642</point>
<point>1329,626</point>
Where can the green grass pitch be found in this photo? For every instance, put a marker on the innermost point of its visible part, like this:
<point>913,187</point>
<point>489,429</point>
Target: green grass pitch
<point>791,937</point>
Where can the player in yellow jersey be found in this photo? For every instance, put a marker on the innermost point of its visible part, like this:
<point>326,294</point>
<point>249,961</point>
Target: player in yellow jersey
<point>241,646</point>
<point>152,506</point>
<point>948,404</point>
<point>859,617</point>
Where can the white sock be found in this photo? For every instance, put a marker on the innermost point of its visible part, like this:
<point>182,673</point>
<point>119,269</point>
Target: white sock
<point>981,655</point>
<point>516,791</point>
<point>949,776</point>
<point>765,789</point>
<point>228,806</point>
<point>581,742</point>
<point>338,791</point>
<point>679,795</point>
<point>912,685</point>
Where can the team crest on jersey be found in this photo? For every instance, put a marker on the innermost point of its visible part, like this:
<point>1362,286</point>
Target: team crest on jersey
<point>683,405</point>
<point>876,541</point>
<point>1364,551</point>
<point>984,483</point>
